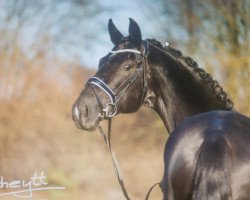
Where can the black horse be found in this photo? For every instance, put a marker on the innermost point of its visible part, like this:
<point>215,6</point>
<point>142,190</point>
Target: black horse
<point>207,155</point>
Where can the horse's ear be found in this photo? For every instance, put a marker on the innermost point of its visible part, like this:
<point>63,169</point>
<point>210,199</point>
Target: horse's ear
<point>115,35</point>
<point>134,32</point>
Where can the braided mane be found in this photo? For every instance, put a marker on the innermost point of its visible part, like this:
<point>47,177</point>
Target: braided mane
<point>212,84</point>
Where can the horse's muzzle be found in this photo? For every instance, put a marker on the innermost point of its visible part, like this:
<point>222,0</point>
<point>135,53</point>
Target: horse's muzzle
<point>82,118</point>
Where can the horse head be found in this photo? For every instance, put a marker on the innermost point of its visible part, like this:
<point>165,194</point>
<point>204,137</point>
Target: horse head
<point>119,85</point>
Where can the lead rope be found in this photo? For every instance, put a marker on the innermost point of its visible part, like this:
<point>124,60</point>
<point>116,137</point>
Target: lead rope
<point>107,140</point>
<point>150,190</point>
<point>114,160</point>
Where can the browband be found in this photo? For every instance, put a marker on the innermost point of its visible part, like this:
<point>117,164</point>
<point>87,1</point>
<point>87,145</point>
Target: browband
<point>126,50</point>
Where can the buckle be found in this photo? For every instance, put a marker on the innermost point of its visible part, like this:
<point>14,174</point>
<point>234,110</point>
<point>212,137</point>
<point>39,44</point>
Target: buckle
<point>110,110</point>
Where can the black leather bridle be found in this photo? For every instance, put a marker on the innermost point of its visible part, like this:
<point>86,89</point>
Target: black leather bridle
<point>110,110</point>
<point>112,105</point>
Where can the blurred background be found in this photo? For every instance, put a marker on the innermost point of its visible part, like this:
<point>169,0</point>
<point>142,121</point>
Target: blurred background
<point>49,48</point>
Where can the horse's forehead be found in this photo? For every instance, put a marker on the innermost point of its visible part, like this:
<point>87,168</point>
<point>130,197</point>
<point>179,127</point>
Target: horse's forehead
<point>124,44</point>
<point>114,58</point>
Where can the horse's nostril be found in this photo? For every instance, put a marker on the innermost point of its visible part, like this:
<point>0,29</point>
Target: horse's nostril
<point>85,112</point>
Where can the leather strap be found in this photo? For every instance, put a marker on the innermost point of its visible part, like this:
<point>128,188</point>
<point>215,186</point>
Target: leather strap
<point>114,160</point>
<point>107,140</point>
<point>99,83</point>
<point>150,190</point>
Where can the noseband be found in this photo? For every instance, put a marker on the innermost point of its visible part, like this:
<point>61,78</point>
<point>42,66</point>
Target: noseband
<point>110,110</point>
<point>105,88</point>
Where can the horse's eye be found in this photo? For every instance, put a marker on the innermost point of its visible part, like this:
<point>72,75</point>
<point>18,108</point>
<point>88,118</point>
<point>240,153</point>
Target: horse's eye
<point>128,67</point>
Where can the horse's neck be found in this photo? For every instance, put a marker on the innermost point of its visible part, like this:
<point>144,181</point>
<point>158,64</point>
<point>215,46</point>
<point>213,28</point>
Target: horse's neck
<point>176,92</point>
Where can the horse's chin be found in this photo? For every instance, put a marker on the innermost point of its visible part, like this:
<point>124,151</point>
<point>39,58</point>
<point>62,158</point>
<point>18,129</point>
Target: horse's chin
<point>89,126</point>
<point>91,129</point>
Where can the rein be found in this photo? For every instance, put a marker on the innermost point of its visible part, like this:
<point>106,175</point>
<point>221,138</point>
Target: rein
<point>107,140</point>
<point>112,105</point>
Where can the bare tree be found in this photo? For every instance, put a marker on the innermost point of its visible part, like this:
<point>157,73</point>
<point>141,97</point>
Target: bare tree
<point>33,35</point>
<point>217,31</point>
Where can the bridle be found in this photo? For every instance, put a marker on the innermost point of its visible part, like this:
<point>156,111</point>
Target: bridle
<point>112,105</point>
<point>116,96</point>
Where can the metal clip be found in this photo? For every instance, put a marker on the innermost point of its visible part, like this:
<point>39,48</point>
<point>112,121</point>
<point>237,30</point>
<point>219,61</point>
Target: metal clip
<point>110,107</point>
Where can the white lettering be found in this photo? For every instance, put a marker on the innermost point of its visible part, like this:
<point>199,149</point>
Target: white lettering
<point>14,184</point>
<point>24,188</point>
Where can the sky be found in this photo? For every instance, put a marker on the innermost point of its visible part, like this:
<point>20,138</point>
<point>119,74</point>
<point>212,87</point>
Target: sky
<point>78,28</point>
<point>143,12</point>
